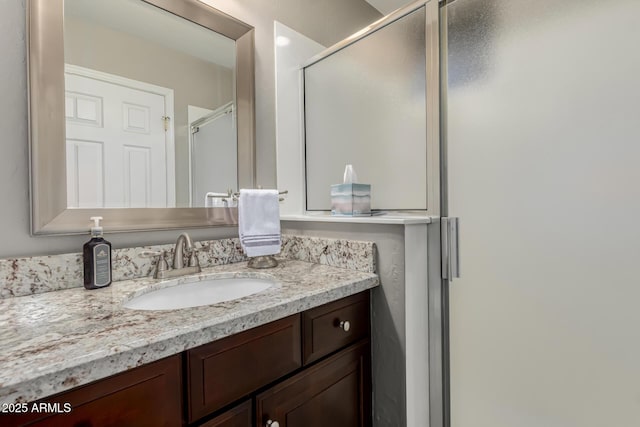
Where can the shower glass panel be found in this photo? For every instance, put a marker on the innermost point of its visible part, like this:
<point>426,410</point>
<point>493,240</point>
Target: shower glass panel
<point>214,155</point>
<point>365,105</point>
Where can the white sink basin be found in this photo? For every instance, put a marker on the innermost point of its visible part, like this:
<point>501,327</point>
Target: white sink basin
<point>178,294</point>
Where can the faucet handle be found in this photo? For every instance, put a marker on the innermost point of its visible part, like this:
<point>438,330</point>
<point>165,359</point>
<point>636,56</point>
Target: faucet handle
<point>161,264</point>
<point>192,253</point>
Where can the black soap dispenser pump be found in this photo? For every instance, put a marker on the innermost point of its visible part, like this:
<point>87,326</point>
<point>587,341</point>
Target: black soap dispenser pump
<point>97,258</point>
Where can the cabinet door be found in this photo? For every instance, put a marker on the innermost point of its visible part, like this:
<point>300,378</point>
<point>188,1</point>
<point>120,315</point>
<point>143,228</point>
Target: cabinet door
<point>336,392</point>
<point>239,416</point>
<point>150,395</point>
<point>224,371</point>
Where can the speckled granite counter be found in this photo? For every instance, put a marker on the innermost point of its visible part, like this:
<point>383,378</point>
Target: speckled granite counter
<point>55,341</point>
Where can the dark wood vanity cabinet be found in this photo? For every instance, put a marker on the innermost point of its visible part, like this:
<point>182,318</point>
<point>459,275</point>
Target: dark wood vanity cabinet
<point>334,392</point>
<point>150,395</point>
<point>309,369</point>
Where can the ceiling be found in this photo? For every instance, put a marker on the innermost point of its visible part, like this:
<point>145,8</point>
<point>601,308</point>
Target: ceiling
<point>387,6</point>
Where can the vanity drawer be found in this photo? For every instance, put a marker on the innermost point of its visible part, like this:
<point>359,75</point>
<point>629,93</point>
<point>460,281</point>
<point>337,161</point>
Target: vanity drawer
<point>226,370</point>
<point>335,325</point>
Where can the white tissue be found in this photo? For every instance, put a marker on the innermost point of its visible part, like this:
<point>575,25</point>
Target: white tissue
<point>349,175</point>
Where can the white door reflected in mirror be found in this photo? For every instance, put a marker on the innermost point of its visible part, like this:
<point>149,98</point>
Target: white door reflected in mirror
<point>137,72</point>
<point>119,152</point>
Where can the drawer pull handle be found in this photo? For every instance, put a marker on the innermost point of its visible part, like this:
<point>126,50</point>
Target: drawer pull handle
<point>345,325</point>
<point>272,424</point>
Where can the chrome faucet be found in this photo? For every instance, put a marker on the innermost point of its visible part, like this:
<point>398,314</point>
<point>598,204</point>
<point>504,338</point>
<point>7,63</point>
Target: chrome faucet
<point>184,244</point>
<point>184,248</point>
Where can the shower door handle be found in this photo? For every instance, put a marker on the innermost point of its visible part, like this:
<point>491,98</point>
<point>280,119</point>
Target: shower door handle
<point>450,247</point>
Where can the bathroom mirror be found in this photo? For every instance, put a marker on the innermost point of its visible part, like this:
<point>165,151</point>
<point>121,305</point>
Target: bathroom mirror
<point>137,109</point>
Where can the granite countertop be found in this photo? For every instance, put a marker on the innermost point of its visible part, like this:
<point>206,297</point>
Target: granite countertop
<point>54,341</point>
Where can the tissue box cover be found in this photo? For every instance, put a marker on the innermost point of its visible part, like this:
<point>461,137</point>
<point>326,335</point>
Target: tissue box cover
<point>351,199</point>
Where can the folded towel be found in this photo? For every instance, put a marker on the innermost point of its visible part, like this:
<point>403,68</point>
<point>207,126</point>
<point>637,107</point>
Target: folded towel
<point>259,222</point>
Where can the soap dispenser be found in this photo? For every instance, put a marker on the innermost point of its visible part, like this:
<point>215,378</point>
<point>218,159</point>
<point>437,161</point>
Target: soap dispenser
<point>97,258</point>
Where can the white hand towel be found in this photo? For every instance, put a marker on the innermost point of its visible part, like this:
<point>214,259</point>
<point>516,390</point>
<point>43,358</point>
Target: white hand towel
<point>259,222</point>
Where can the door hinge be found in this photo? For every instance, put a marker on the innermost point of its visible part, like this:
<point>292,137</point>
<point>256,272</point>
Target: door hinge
<point>450,247</point>
<point>165,121</point>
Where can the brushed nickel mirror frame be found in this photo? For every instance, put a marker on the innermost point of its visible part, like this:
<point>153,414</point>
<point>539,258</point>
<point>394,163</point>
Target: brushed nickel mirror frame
<point>45,70</point>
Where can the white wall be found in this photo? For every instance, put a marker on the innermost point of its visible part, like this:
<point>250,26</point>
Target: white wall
<point>289,58</point>
<point>309,17</point>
